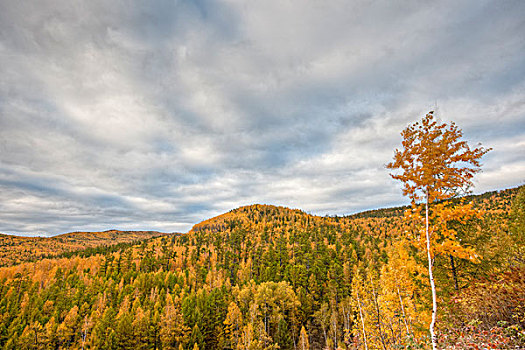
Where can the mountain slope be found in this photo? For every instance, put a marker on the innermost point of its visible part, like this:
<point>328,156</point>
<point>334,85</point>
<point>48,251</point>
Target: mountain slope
<point>16,249</point>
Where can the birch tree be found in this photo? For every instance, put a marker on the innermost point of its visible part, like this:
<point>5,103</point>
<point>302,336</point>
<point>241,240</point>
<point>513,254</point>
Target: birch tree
<point>435,165</point>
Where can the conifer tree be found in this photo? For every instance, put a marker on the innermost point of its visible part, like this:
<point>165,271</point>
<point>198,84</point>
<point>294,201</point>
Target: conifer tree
<point>233,325</point>
<point>69,328</point>
<point>173,331</point>
<point>304,344</point>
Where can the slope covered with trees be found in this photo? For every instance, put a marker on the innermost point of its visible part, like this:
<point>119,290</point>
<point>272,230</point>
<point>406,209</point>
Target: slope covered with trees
<point>265,277</point>
<point>15,249</point>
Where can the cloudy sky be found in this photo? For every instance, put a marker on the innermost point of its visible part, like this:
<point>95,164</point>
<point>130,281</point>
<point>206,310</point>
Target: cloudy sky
<point>156,115</point>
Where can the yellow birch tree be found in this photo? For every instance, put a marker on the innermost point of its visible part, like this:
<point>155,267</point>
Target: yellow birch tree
<point>435,166</point>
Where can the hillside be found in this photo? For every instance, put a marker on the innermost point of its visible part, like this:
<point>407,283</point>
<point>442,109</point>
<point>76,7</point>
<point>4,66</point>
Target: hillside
<point>266,277</point>
<point>15,249</point>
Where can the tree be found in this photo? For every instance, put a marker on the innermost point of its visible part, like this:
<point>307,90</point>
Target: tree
<point>233,325</point>
<point>435,166</point>
<point>68,329</point>
<point>173,331</point>
<point>303,340</point>
<point>517,227</point>
<point>399,281</point>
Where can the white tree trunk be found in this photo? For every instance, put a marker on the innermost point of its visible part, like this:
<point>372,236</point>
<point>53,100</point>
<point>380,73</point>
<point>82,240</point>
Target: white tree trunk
<point>431,277</point>
<point>403,311</point>
<point>362,319</point>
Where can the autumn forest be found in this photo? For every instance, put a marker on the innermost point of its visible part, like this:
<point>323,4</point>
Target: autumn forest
<point>268,277</point>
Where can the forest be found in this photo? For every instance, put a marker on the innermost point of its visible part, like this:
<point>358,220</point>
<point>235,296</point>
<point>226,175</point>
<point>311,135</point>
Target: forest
<point>17,249</point>
<point>266,277</point>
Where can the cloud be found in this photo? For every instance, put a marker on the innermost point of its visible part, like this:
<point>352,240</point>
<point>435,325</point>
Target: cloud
<point>159,115</point>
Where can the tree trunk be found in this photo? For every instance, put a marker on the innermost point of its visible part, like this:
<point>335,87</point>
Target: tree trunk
<point>334,327</point>
<point>362,320</point>
<point>403,311</point>
<point>431,277</point>
<point>376,304</point>
<point>454,274</point>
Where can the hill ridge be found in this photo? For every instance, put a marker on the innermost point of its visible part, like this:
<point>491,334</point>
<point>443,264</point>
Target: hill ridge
<point>219,222</point>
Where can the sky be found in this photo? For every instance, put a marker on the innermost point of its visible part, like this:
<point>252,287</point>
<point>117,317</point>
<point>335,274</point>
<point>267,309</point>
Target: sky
<point>156,115</point>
